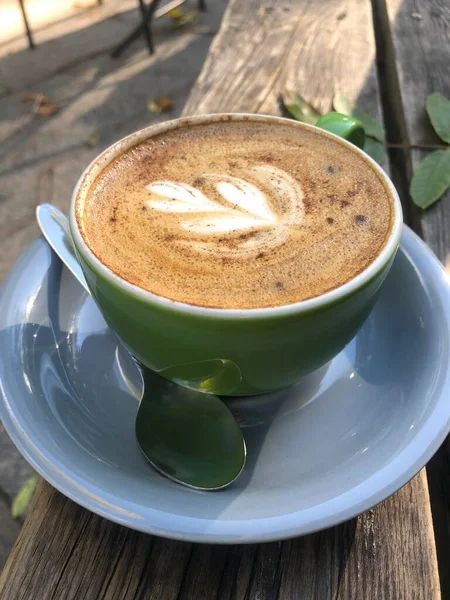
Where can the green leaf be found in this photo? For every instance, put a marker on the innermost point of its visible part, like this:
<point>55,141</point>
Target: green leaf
<point>438,109</point>
<point>375,150</point>
<point>23,497</point>
<point>431,179</point>
<point>371,126</point>
<point>300,110</point>
<point>342,104</point>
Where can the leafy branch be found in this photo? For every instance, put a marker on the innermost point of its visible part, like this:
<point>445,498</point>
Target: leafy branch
<point>432,177</point>
<point>300,110</point>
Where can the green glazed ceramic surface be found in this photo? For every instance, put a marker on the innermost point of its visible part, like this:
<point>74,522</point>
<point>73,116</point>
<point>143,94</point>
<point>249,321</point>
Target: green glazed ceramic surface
<point>224,351</point>
<point>270,351</point>
<point>345,127</point>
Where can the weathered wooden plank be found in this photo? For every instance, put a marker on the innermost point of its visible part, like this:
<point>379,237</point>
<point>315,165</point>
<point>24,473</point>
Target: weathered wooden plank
<point>65,551</point>
<point>369,557</point>
<point>387,553</point>
<point>374,556</point>
<point>290,45</point>
<point>420,42</point>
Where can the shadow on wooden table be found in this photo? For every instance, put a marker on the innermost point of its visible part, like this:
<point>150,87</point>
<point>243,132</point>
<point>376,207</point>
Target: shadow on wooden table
<point>97,93</point>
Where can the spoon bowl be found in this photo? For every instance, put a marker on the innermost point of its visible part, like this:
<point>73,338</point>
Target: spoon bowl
<point>187,435</point>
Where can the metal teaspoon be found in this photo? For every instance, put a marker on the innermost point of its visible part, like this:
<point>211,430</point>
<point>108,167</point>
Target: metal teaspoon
<point>188,436</point>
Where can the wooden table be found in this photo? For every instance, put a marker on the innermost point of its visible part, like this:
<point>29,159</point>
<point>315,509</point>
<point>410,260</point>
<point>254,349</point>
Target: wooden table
<point>388,56</point>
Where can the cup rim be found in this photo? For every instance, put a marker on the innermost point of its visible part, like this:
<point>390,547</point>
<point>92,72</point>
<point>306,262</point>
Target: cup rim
<point>331,297</point>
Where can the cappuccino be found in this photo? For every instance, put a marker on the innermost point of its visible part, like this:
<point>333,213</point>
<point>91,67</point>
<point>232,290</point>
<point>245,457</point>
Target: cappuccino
<point>237,214</point>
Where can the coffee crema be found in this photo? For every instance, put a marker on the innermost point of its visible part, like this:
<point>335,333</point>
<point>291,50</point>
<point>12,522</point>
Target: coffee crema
<point>237,214</point>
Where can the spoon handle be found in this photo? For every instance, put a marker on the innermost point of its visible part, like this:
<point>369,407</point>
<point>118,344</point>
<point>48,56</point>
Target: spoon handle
<point>187,435</point>
<point>54,225</point>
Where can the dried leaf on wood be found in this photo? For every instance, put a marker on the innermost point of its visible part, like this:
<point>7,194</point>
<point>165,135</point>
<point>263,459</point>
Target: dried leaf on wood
<point>47,109</point>
<point>41,104</point>
<point>160,104</point>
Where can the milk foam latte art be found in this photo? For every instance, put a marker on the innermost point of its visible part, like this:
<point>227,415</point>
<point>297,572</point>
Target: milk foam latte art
<point>237,214</point>
<point>243,207</point>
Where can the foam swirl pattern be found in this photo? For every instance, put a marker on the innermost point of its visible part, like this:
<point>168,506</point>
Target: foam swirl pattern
<point>243,208</point>
<point>237,214</point>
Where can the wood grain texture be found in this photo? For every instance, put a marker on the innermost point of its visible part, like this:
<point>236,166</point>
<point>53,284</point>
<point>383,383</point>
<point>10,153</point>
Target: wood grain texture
<point>420,40</point>
<point>64,551</point>
<point>420,32</point>
<point>290,45</point>
<point>387,553</point>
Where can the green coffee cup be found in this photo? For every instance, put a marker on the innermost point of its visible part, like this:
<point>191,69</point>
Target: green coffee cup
<point>234,351</point>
